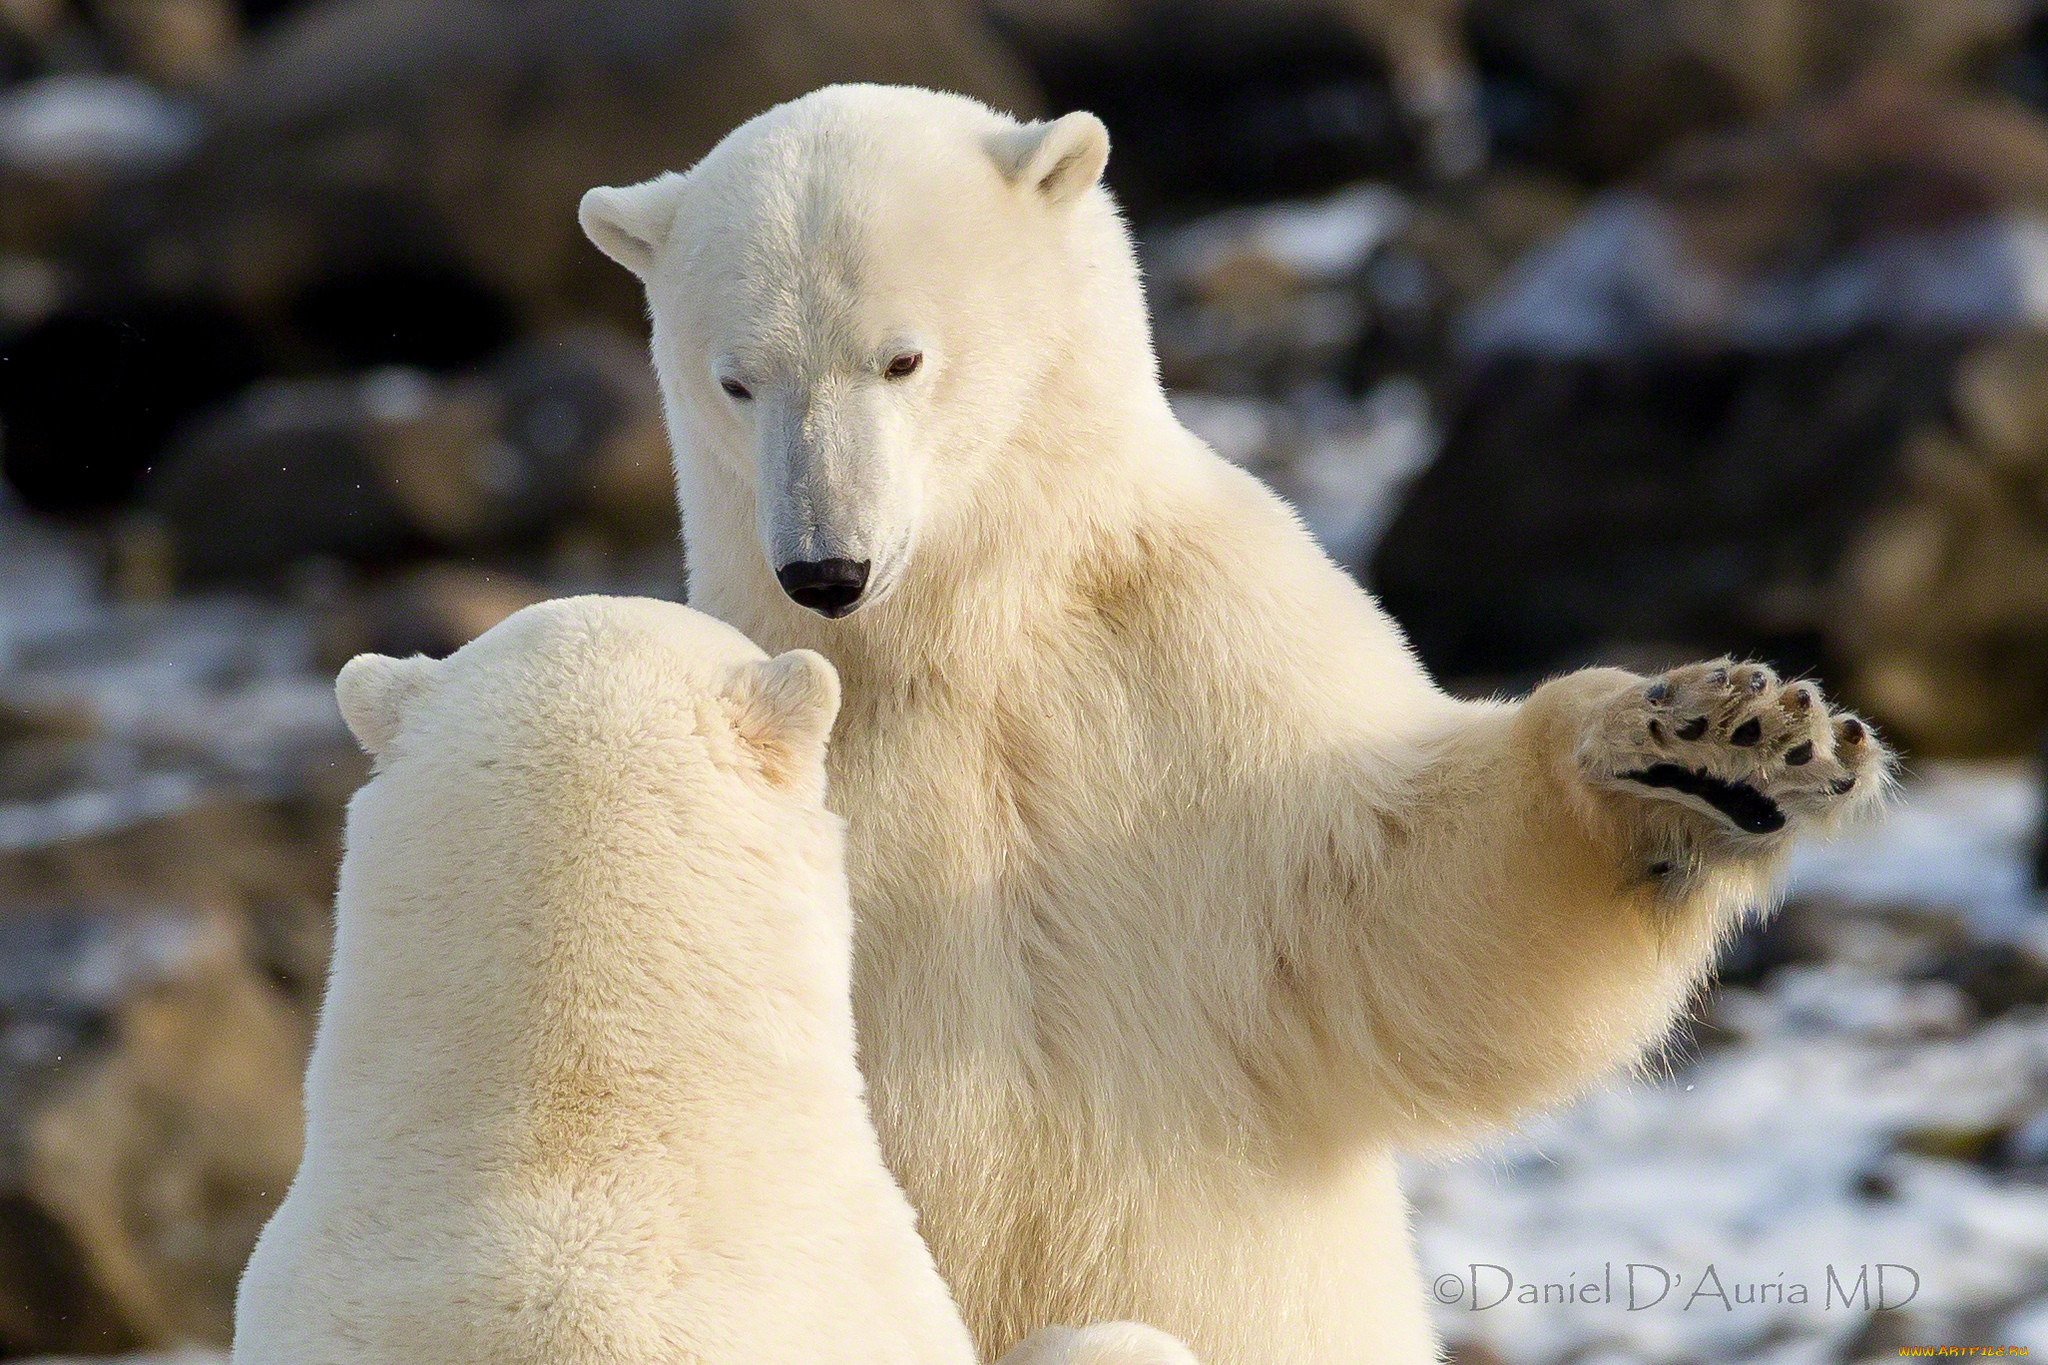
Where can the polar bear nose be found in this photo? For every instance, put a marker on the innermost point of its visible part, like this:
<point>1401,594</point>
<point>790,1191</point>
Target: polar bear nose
<point>829,587</point>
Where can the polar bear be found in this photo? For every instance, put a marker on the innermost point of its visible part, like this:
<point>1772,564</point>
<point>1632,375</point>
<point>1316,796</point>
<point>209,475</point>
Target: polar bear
<point>584,1088</point>
<point>1184,897</point>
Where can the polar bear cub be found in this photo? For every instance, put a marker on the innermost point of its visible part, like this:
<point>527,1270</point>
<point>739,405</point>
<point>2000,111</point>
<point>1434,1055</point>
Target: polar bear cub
<point>584,1084</point>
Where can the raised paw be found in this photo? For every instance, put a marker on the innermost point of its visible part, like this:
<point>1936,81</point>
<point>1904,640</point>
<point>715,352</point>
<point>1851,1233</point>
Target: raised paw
<point>1732,743</point>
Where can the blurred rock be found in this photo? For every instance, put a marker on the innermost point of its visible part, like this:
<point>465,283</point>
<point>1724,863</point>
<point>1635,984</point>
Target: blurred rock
<point>35,20</point>
<point>1218,104</point>
<point>157,991</point>
<point>161,1153</point>
<point>1265,300</point>
<point>1763,944</point>
<point>461,133</point>
<point>386,466</point>
<point>583,401</point>
<point>1700,501</point>
<point>389,182</point>
<point>1602,87</point>
<point>1997,977</point>
<point>1951,1144</point>
<point>1341,465</point>
<point>1354,287</point>
<point>2026,1144</point>
<point>1946,591</point>
<point>89,395</point>
<point>1889,206</point>
<point>433,610</point>
<point>265,867</point>
<point>293,468</point>
<point>173,42</point>
<point>2040,830</point>
<point>159,978</point>
<point>1386,83</point>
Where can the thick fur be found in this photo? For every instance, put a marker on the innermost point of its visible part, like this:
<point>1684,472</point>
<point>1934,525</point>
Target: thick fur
<point>584,1087</point>
<point>1185,897</point>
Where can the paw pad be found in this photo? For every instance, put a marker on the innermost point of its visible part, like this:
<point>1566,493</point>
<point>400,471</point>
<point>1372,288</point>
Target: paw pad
<point>1749,809</point>
<point>1733,743</point>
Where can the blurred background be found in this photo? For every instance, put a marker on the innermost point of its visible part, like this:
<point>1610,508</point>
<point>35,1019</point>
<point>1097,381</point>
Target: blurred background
<point>1582,330</point>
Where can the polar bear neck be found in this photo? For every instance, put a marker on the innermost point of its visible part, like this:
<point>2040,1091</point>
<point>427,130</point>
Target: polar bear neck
<point>512,1006</point>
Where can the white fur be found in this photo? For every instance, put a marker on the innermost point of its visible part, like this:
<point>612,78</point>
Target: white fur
<point>584,1087</point>
<point>1185,897</point>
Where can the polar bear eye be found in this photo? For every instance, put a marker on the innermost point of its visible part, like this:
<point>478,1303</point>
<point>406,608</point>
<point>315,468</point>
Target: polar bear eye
<point>737,390</point>
<point>904,365</point>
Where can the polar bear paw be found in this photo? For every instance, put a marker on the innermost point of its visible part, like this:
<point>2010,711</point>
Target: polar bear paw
<point>1728,741</point>
<point>1105,1343</point>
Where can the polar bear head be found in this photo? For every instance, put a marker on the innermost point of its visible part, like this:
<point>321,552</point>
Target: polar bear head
<point>863,299</point>
<point>585,731</point>
<point>648,681</point>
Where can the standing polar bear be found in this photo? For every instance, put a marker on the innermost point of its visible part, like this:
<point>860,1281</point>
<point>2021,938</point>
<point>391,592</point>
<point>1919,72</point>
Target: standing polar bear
<point>1185,898</point>
<point>584,1089</point>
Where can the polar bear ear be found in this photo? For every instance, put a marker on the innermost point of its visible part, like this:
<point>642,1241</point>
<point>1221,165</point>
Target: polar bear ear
<point>630,224</point>
<point>1061,160</point>
<point>783,710</point>
<point>373,691</point>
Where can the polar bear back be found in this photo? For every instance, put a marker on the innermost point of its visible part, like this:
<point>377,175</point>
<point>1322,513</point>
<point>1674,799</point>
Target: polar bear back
<point>584,1085</point>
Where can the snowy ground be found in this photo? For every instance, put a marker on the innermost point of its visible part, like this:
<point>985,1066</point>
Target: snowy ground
<point>1843,1116</point>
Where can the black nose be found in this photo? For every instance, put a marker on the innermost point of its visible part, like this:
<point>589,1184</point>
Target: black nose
<point>829,587</point>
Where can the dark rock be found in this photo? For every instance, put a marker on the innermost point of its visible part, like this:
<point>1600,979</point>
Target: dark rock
<point>432,316</point>
<point>366,143</point>
<point>1702,499</point>
<point>162,1153</point>
<point>1997,977</point>
<point>1763,945</point>
<point>1211,105</point>
<point>433,610</point>
<point>173,42</point>
<point>394,182</point>
<point>289,469</point>
<point>88,397</point>
<point>158,986</point>
<point>49,1301</point>
<point>1944,594</point>
<point>1976,1143</point>
<point>397,463</point>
